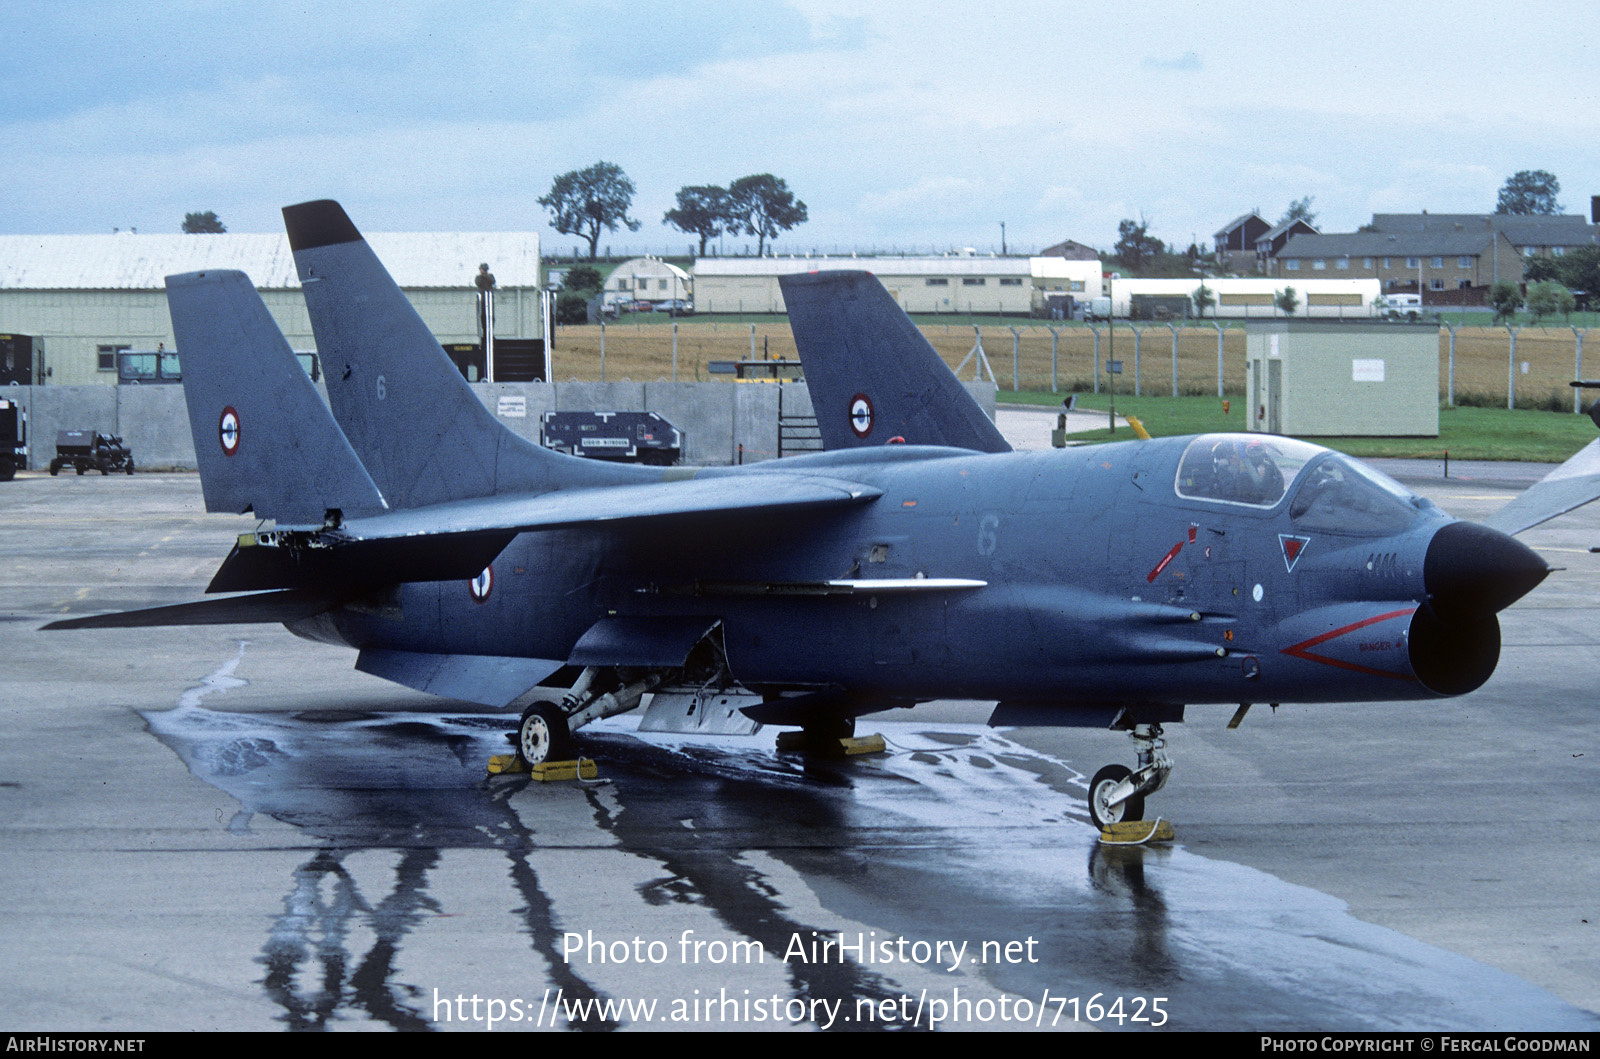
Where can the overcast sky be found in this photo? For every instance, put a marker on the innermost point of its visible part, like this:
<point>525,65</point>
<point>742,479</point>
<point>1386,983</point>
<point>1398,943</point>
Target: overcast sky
<point>900,124</point>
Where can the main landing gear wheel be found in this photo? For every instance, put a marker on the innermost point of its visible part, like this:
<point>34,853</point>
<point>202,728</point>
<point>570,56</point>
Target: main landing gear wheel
<point>543,735</point>
<point>1105,782</point>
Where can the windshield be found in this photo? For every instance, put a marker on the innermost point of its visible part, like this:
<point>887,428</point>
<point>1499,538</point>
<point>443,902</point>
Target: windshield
<point>1255,470</point>
<point>1340,495</point>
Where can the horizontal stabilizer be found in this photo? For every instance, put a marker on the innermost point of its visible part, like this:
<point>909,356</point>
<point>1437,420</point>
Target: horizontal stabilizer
<point>487,679</point>
<point>235,610</point>
<point>1571,485</point>
<point>260,561</point>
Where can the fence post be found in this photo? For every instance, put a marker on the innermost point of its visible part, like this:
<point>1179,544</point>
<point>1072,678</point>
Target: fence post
<point>1138,340</point>
<point>1511,368</point>
<point>602,351</point>
<point>674,351</point>
<point>752,342</point>
<point>1055,349</point>
<point>1016,357</point>
<point>1577,369</point>
<point>1174,329</point>
<point>1218,325</point>
<point>1096,331</point>
<point>1450,396</point>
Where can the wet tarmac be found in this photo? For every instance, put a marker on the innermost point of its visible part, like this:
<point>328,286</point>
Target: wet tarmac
<point>229,828</point>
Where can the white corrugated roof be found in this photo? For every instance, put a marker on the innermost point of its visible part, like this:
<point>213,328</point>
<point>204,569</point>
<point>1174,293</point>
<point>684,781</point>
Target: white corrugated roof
<point>126,261</point>
<point>881,266</point>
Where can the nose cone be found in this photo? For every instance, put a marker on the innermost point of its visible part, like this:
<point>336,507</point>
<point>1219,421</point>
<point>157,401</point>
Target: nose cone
<point>1473,569</point>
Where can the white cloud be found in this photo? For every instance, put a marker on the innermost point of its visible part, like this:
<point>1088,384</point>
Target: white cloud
<point>927,123</point>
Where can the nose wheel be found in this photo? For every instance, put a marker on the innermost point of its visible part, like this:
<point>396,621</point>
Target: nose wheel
<point>1117,793</point>
<point>1111,797</point>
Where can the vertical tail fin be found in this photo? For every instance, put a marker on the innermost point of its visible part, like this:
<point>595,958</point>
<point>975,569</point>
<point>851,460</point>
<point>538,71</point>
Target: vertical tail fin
<point>264,440</point>
<point>416,424</point>
<point>871,374</point>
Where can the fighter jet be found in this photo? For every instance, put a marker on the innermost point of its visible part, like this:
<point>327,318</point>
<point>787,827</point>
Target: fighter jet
<point>1106,586</point>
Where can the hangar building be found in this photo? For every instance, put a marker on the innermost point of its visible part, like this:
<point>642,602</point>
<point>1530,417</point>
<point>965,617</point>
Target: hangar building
<point>951,284</point>
<point>84,298</point>
<point>647,279</point>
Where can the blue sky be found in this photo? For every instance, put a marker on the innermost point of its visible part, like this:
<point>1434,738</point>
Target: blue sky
<point>901,125</point>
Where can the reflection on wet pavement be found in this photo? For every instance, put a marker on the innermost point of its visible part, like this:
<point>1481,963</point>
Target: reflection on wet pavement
<point>957,836</point>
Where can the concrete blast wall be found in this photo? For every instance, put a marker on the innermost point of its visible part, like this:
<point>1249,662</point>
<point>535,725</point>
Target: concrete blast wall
<point>723,423</point>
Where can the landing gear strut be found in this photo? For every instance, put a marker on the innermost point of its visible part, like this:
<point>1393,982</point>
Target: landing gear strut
<point>545,731</point>
<point>1117,793</point>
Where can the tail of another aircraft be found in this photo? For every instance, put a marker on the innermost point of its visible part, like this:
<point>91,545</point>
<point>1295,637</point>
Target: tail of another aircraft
<point>873,377</point>
<point>415,423</point>
<point>264,440</point>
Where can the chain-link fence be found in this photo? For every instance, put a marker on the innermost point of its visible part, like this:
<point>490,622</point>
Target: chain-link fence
<point>1526,367</point>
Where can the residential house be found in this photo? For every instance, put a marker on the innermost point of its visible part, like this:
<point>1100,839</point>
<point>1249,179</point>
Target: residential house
<point>1274,238</point>
<point>1446,266</point>
<point>1532,234</point>
<point>1235,242</point>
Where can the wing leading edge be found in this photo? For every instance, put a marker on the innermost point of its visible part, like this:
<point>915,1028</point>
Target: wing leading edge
<point>1568,487</point>
<point>455,540</point>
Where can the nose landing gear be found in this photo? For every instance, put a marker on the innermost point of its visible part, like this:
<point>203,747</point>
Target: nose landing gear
<point>1117,794</point>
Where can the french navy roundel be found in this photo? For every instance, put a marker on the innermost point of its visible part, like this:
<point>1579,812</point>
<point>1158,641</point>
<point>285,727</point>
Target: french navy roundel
<point>481,585</point>
<point>861,415</point>
<point>228,431</point>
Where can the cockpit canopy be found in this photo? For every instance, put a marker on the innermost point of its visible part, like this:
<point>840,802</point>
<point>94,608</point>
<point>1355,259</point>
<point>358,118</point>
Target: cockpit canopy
<point>1332,492</point>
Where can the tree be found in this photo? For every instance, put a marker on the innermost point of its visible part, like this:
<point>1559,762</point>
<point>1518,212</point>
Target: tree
<point>1299,210</point>
<point>1136,247</point>
<point>1579,270</point>
<point>205,223</point>
<point>1204,299</point>
<point>582,278</point>
<point>762,206</point>
<point>1506,299</point>
<point>586,202</point>
<point>572,307</point>
<point>1539,269</point>
<point>704,210</point>
<point>1287,301</point>
<point>1549,299</point>
<point>1530,191</point>
<point>580,286</point>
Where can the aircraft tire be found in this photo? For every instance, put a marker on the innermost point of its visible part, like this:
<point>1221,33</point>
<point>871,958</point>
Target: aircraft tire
<point>1104,780</point>
<point>542,734</point>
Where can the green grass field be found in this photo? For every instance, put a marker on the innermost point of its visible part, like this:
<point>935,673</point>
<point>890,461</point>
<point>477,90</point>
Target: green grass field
<point>1465,433</point>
